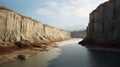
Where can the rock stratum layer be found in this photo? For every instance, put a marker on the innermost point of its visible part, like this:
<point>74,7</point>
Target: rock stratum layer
<point>104,26</point>
<point>16,29</point>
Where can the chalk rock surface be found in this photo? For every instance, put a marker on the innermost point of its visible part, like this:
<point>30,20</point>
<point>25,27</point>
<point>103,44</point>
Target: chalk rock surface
<point>16,29</point>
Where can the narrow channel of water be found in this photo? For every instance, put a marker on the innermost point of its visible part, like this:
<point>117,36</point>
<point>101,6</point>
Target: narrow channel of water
<point>70,55</point>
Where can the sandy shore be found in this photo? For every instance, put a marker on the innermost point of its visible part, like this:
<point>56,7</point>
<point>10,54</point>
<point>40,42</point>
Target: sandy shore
<point>10,57</point>
<point>4,58</point>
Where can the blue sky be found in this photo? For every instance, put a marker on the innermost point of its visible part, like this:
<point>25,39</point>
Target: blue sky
<point>64,14</point>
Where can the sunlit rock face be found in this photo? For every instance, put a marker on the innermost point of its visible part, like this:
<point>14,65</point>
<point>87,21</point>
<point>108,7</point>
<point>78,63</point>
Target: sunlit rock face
<point>104,25</point>
<point>15,27</point>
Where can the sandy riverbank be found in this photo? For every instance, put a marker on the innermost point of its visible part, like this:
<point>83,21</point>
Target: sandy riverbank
<point>10,57</point>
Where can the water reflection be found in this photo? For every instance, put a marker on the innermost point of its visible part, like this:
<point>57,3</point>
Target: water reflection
<point>74,55</point>
<point>104,58</point>
<point>71,55</point>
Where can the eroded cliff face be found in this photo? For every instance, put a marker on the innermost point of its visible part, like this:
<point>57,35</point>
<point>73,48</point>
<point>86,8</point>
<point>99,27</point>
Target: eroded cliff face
<point>16,28</point>
<point>104,25</point>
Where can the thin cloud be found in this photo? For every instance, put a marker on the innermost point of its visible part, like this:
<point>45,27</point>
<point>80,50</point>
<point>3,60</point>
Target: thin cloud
<point>52,4</point>
<point>73,11</point>
<point>73,7</point>
<point>44,12</point>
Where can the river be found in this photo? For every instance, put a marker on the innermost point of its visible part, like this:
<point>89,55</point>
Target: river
<point>70,54</point>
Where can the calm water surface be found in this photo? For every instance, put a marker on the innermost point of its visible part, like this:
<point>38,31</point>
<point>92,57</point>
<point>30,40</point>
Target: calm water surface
<point>70,55</point>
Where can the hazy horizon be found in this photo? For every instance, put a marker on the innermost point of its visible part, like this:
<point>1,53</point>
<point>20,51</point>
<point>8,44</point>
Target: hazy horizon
<point>64,14</point>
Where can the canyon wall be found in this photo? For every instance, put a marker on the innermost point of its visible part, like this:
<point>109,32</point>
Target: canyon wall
<point>16,28</point>
<point>104,26</point>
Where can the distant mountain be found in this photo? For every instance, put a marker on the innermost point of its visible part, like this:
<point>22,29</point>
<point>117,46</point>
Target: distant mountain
<point>76,28</point>
<point>78,34</point>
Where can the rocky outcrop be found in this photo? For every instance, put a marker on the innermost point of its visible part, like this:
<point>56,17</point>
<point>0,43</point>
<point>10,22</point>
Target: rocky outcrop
<point>104,26</point>
<point>19,30</point>
<point>21,57</point>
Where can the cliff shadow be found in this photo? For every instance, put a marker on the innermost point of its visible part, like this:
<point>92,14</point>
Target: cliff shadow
<point>101,58</point>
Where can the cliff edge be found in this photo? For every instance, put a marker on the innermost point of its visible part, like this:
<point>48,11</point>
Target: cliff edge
<point>104,26</point>
<point>21,31</point>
